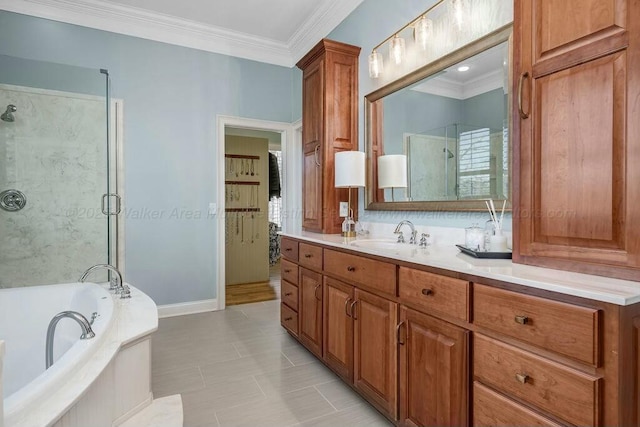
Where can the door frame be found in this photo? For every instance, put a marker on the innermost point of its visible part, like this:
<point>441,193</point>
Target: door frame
<point>290,135</point>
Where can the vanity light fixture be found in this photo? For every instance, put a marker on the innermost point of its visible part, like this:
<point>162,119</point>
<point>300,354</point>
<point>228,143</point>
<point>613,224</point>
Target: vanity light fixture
<point>423,31</point>
<point>392,172</point>
<point>376,64</point>
<point>458,8</point>
<point>397,49</point>
<point>349,173</point>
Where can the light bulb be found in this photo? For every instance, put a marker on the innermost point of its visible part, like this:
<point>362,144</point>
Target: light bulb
<point>375,65</point>
<point>396,50</point>
<point>423,31</point>
<point>458,7</point>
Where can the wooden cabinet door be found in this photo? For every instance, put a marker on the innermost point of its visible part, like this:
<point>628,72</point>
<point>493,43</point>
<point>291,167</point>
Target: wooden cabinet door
<point>310,310</point>
<point>312,145</point>
<point>434,375</point>
<point>338,327</point>
<point>576,195</point>
<point>375,370</point>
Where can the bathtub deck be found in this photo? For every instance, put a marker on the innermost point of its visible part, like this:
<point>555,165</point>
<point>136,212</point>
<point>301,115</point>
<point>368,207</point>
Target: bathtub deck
<point>239,368</point>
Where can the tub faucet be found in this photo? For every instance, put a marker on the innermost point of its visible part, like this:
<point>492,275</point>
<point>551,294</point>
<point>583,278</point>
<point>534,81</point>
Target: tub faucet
<point>117,286</point>
<point>414,233</point>
<point>87,332</point>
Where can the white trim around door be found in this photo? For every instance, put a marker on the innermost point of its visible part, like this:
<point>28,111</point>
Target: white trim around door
<point>292,195</point>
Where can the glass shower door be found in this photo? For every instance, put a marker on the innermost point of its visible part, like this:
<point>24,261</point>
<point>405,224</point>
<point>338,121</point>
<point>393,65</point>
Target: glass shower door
<point>54,170</point>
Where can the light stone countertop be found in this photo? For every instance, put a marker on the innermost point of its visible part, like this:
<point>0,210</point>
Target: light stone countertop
<point>448,257</point>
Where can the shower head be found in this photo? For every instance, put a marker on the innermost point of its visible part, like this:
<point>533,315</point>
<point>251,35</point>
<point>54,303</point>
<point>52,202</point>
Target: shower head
<point>449,153</point>
<point>8,116</point>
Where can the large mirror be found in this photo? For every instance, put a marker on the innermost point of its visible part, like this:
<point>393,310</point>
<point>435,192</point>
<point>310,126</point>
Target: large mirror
<point>451,121</point>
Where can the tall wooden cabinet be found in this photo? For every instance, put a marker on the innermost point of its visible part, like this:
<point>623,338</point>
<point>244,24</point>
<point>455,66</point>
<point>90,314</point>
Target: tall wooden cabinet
<point>329,125</point>
<point>577,136</point>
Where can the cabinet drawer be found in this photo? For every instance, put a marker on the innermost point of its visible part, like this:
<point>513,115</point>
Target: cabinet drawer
<point>564,392</point>
<point>434,292</point>
<point>289,271</point>
<point>366,272</point>
<point>289,294</point>
<point>310,256</point>
<point>493,409</point>
<point>564,328</point>
<point>289,249</point>
<point>289,319</point>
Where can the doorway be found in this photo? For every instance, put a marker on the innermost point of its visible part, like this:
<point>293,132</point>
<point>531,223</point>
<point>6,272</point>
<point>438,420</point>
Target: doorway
<point>248,215</point>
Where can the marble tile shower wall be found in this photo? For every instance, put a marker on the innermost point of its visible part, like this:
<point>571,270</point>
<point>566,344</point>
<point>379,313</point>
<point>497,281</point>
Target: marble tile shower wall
<point>55,153</point>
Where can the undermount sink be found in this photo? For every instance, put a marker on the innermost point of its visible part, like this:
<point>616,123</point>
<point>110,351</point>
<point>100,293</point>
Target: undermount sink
<point>386,245</point>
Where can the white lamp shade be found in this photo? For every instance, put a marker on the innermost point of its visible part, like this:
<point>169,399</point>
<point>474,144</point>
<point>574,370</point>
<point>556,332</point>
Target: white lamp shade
<point>349,166</point>
<point>392,171</point>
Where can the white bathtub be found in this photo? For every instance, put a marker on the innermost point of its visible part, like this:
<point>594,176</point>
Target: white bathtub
<point>35,396</point>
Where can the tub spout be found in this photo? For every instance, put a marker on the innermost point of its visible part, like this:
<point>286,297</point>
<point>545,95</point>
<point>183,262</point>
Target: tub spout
<point>87,332</point>
<point>116,286</point>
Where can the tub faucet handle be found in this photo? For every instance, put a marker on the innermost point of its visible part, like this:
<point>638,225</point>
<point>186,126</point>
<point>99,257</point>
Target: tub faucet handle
<point>125,292</point>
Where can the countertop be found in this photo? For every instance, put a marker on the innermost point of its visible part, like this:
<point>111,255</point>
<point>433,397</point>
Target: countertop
<point>448,257</point>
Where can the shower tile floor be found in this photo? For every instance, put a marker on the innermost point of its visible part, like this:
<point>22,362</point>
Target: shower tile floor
<point>238,367</point>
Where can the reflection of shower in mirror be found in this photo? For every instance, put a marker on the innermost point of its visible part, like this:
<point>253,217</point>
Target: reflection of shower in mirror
<point>8,116</point>
<point>449,153</point>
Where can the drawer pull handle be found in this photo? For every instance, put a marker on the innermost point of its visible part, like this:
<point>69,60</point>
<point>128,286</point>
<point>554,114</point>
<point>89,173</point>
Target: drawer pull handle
<point>287,294</point>
<point>427,292</point>
<point>287,250</point>
<point>353,313</point>
<point>315,292</point>
<point>308,255</point>
<point>346,310</point>
<point>523,320</point>
<point>351,268</point>
<point>286,319</point>
<point>522,378</point>
<point>287,271</point>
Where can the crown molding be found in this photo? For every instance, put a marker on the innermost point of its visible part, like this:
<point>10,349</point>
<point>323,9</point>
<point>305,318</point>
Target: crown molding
<point>326,17</point>
<point>453,89</point>
<point>148,25</point>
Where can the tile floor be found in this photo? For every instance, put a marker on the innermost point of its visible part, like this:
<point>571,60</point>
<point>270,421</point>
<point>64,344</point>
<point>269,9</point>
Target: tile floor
<point>239,368</point>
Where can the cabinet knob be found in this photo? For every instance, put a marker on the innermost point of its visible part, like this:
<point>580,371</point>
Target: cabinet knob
<point>522,378</point>
<point>287,294</point>
<point>287,249</point>
<point>523,320</point>
<point>287,271</point>
<point>427,292</point>
<point>308,255</point>
<point>351,268</point>
<point>286,319</point>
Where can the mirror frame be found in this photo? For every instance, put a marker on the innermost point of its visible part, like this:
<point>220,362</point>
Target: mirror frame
<point>373,126</point>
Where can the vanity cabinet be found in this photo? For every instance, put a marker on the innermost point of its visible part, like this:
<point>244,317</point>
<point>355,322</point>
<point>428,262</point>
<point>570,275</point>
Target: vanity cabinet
<point>577,136</point>
<point>329,125</point>
<point>434,377</point>
<point>427,346</point>
<point>338,327</point>
<point>310,310</point>
<point>375,370</point>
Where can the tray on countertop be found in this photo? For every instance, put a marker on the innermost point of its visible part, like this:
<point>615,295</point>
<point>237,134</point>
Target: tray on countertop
<point>484,254</point>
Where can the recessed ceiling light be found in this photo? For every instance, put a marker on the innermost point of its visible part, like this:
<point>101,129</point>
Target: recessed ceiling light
<point>463,68</point>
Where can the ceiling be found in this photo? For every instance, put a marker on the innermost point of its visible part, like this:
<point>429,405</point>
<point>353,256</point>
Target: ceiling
<point>275,31</point>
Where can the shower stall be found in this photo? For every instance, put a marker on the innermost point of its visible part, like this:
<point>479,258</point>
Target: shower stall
<point>58,181</point>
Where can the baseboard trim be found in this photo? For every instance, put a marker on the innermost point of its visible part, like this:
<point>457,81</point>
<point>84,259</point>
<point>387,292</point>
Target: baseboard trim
<point>184,308</point>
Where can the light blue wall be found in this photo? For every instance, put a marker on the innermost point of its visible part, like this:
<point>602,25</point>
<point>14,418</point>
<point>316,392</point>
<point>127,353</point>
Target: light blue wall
<point>369,24</point>
<point>171,98</point>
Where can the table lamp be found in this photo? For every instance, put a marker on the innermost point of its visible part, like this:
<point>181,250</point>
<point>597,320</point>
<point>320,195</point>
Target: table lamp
<point>349,172</point>
<point>392,172</point>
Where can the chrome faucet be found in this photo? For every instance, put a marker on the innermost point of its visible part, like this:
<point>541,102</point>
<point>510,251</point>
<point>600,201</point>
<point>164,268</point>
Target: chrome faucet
<point>118,286</point>
<point>87,332</point>
<point>414,233</point>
